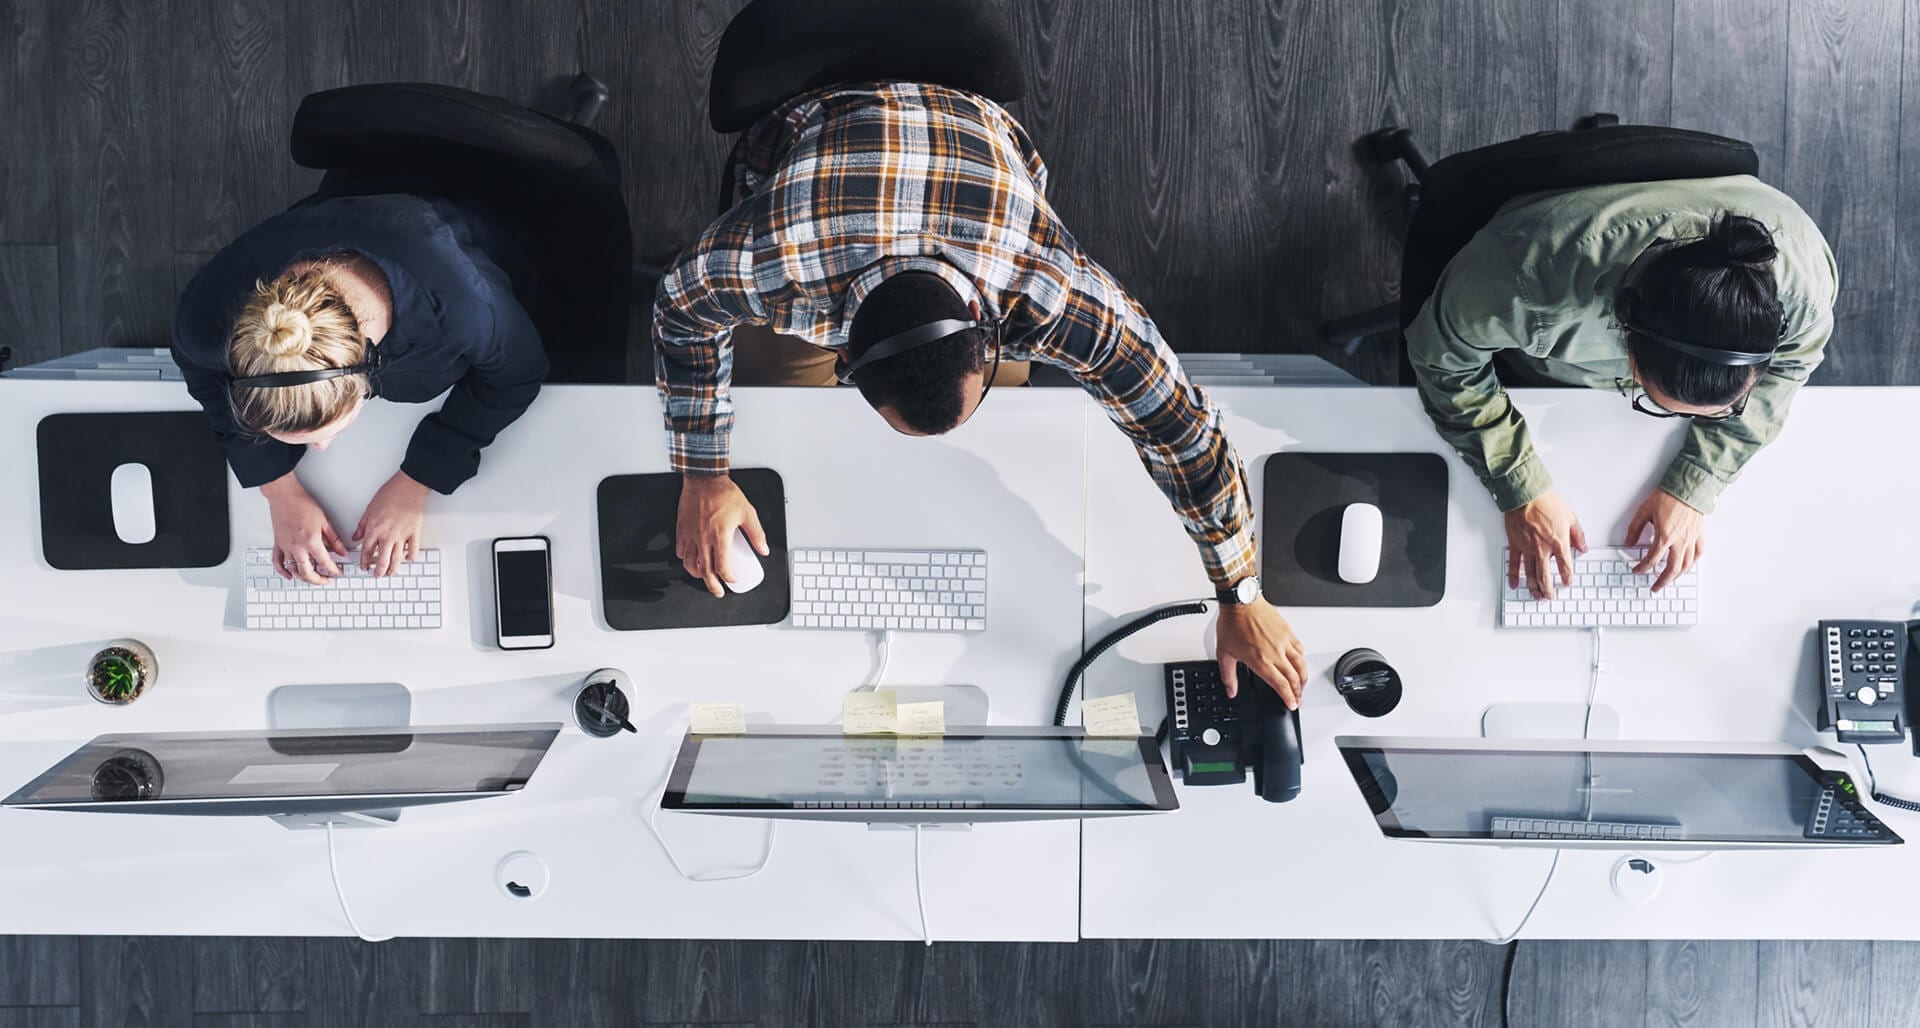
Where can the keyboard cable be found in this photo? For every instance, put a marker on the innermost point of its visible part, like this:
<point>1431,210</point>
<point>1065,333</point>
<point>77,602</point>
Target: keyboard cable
<point>333,867</point>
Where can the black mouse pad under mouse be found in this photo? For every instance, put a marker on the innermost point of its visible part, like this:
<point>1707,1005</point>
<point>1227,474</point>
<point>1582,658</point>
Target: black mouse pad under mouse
<point>1302,502</point>
<point>643,586</point>
<point>188,469</point>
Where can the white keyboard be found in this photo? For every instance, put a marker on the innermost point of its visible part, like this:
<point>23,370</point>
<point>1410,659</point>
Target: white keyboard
<point>1503,827</point>
<point>408,598</point>
<point>1604,593</point>
<point>902,590</point>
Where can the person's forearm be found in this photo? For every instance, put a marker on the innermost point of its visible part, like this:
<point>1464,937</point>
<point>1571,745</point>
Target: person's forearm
<point>285,487</point>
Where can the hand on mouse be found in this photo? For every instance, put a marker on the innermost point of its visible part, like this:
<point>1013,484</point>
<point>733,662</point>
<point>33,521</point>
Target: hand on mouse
<point>304,541</point>
<point>1677,531</point>
<point>1541,534</point>
<point>389,532</point>
<point>711,507</point>
<point>1256,635</point>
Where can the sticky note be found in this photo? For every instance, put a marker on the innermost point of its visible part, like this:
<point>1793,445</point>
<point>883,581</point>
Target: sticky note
<point>1111,715</point>
<point>719,719</point>
<point>868,713</point>
<point>929,718</point>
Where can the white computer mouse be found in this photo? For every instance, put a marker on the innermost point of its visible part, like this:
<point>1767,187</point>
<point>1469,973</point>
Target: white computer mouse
<point>1360,526</point>
<point>743,564</point>
<point>132,490</point>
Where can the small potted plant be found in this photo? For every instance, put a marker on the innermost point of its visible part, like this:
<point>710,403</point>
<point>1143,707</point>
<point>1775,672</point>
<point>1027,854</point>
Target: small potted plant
<point>121,672</point>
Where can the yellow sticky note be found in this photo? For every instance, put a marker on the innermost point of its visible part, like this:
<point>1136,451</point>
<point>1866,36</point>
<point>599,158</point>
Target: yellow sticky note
<point>1111,747</point>
<point>929,718</point>
<point>868,713</point>
<point>719,719</point>
<point>1111,715</point>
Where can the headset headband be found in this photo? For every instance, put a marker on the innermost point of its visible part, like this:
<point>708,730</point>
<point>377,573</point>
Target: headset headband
<point>369,366</point>
<point>1630,300</point>
<point>913,338</point>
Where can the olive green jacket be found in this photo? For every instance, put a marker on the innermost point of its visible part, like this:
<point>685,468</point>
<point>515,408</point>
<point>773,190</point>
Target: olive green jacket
<point>1538,284</point>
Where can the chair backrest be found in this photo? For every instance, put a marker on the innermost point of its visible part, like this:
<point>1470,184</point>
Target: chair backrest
<point>1461,193</point>
<point>398,123</point>
<point>776,49</point>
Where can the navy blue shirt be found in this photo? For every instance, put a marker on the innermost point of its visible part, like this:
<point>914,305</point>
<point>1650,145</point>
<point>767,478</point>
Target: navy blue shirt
<point>456,322</point>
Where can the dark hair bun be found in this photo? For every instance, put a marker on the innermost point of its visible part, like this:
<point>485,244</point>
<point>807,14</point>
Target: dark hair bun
<point>1742,240</point>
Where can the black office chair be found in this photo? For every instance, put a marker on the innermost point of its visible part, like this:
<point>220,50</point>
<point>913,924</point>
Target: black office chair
<point>774,50</point>
<point>1453,199</point>
<point>554,185</point>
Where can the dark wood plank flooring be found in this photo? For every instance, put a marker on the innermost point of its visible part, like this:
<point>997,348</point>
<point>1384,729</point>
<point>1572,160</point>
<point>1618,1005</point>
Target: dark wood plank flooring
<point>1201,150</point>
<point>438,982</point>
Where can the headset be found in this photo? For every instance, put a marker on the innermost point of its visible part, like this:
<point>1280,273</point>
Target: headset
<point>1624,311</point>
<point>369,366</point>
<point>914,338</point>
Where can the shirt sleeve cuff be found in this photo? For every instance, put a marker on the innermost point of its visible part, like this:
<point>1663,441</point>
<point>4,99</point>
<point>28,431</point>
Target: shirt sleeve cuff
<point>1692,485</point>
<point>1525,483</point>
<point>1232,559</point>
<point>700,453</point>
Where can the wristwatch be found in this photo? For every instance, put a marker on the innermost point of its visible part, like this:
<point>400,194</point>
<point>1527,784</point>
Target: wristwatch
<point>1240,593</point>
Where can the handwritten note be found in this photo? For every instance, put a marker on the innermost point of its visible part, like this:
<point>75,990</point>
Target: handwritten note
<point>869,713</point>
<point>1111,715</point>
<point>719,719</point>
<point>928,718</point>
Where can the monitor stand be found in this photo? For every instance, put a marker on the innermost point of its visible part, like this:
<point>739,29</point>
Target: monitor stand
<point>347,706</point>
<point>1549,721</point>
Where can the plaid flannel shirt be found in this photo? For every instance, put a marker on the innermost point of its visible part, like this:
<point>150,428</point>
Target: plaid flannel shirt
<point>840,188</point>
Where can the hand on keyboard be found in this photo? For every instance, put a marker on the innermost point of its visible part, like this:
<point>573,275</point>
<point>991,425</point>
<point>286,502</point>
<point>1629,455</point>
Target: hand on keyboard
<point>304,541</point>
<point>389,532</point>
<point>1676,530</point>
<point>1543,533</point>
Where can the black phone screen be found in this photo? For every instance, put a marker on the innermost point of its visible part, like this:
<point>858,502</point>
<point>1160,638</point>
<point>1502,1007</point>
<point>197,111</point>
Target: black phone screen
<point>520,577</point>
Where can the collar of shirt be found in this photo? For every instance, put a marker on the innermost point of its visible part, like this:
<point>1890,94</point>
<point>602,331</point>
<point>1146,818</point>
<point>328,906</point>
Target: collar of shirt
<point>887,267</point>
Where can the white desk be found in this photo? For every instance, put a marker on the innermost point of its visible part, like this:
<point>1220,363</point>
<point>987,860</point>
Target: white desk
<point>1783,552</point>
<point>848,480</point>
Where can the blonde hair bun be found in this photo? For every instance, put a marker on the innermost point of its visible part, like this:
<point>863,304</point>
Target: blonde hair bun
<point>289,332</point>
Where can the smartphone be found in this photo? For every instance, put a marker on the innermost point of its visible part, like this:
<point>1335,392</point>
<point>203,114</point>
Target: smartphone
<point>523,592</point>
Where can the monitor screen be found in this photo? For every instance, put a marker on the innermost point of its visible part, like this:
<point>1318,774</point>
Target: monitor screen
<point>1427,789</point>
<point>995,771</point>
<point>212,767</point>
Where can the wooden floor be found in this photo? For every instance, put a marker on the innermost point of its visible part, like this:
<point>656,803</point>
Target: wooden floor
<point>1202,150</point>
<point>1199,149</point>
<point>286,983</point>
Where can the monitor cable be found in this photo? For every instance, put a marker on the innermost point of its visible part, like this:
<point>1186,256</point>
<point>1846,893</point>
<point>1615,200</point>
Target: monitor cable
<point>919,896</point>
<point>1873,789</point>
<point>333,866</point>
<point>1586,727</point>
<point>1113,639</point>
<point>652,822</point>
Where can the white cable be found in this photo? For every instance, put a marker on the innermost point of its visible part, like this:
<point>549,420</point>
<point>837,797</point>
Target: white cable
<point>1586,727</point>
<point>880,670</point>
<point>919,897</point>
<point>333,865</point>
<point>653,813</point>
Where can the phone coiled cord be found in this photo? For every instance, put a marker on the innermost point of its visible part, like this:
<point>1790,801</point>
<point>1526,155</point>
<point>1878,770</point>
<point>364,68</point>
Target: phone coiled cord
<point>1113,639</point>
<point>1873,790</point>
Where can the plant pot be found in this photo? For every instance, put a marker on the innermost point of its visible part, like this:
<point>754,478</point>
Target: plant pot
<point>122,672</point>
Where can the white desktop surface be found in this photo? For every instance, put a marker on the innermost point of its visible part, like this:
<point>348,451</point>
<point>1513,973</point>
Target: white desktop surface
<point>1008,482</point>
<point>1786,548</point>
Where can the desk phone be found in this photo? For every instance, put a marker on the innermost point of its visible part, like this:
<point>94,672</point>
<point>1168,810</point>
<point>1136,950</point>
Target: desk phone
<point>1215,739</point>
<point>1862,672</point>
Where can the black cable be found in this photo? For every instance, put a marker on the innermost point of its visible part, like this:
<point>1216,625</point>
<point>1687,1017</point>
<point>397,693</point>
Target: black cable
<point>1874,790</point>
<point>1113,639</point>
<point>1506,980</point>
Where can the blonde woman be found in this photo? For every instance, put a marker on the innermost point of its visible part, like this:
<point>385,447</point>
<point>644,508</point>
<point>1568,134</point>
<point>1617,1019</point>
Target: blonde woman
<point>285,335</point>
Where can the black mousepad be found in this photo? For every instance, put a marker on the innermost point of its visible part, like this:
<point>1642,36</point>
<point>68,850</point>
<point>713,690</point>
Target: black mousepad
<point>1302,501</point>
<point>77,454</point>
<point>643,586</point>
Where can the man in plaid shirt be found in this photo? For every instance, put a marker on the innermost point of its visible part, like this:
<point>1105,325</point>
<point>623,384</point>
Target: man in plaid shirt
<point>864,211</point>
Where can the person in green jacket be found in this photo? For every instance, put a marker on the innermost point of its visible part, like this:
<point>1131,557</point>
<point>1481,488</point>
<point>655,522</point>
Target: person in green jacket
<point>1706,299</point>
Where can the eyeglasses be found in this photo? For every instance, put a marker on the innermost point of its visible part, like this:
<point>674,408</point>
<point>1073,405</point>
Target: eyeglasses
<point>1646,405</point>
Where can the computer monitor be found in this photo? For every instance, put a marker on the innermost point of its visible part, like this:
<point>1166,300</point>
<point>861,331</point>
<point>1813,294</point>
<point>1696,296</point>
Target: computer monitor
<point>300,777</point>
<point>981,775</point>
<point>1605,794</point>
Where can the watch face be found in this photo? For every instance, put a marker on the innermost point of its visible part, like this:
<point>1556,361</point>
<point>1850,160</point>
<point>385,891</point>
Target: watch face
<point>1248,589</point>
